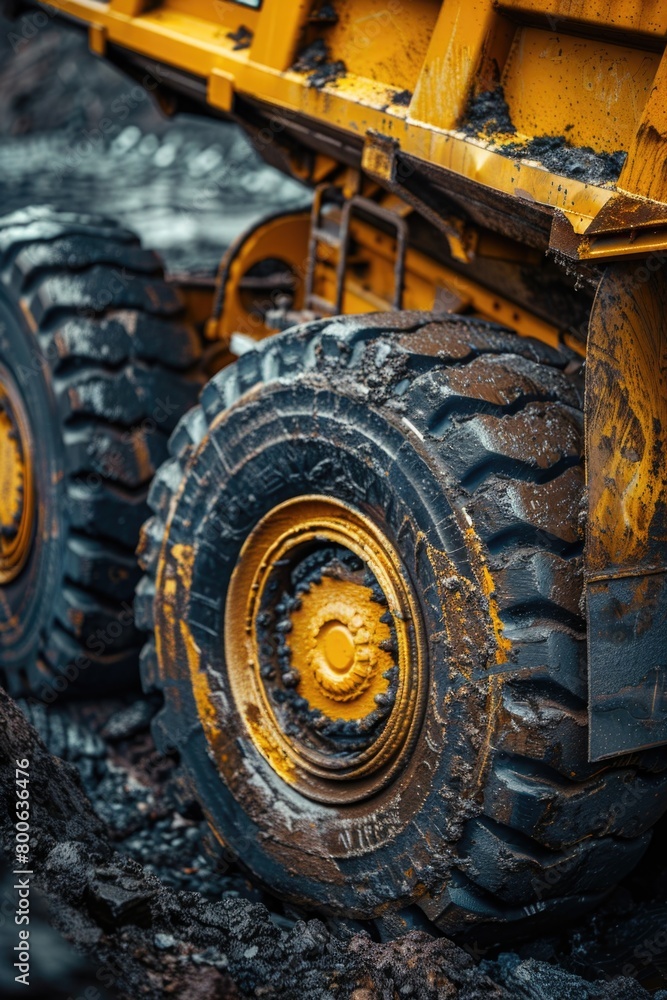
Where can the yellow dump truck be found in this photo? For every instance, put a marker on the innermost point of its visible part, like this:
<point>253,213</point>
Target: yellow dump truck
<point>404,580</point>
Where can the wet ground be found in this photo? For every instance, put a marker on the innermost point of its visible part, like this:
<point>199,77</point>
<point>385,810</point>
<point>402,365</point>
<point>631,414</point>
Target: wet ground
<point>152,909</point>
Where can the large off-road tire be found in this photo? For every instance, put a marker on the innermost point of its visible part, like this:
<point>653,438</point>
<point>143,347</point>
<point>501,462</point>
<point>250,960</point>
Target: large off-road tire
<point>96,368</point>
<point>422,752</point>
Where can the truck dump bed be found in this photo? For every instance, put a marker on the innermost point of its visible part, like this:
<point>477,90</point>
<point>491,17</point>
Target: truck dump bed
<point>541,117</point>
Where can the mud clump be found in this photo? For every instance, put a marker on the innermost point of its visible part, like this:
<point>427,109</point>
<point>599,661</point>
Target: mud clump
<point>316,60</point>
<point>488,115</point>
<point>532,980</point>
<point>138,936</point>
<point>402,98</point>
<point>242,38</point>
<point>327,13</point>
<point>579,162</point>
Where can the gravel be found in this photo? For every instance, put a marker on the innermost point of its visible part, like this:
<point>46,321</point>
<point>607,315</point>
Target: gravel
<point>164,857</point>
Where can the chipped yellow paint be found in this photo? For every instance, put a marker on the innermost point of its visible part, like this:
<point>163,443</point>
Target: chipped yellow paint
<point>184,556</point>
<point>269,747</point>
<point>201,688</point>
<point>486,582</point>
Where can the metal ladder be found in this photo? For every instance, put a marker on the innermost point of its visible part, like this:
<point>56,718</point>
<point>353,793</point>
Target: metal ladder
<point>340,240</point>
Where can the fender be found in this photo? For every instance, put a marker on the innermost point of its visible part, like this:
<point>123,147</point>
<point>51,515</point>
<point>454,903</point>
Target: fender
<point>626,548</point>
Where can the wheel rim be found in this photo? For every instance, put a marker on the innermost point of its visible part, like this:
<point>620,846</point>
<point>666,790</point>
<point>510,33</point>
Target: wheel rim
<point>327,668</point>
<point>17,502</point>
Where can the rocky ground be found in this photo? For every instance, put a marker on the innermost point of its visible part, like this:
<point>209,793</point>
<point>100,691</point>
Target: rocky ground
<point>129,899</point>
<point>125,870</point>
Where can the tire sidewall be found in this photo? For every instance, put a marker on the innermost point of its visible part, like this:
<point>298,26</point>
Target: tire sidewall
<point>30,599</point>
<point>278,442</point>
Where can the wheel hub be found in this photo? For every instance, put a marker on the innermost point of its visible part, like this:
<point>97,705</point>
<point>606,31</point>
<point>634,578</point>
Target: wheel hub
<point>326,670</point>
<point>16,481</point>
<point>335,637</point>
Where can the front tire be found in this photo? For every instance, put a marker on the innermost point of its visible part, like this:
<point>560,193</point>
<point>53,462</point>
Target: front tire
<point>436,767</point>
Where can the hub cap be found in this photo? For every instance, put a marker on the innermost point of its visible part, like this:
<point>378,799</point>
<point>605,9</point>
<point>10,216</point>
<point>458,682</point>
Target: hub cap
<point>323,648</point>
<point>16,481</point>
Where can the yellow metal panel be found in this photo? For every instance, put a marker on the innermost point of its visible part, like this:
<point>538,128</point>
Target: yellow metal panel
<point>591,92</point>
<point>626,533</point>
<point>649,16</point>
<point>218,12</point>
<point>129,7</point>
<point>626,418</point>
<point>221,89</point>
<point>645,172</point>
<point>284,238</point>
<point>97,39</point>
<point>278,31</point>
<point>468,39</point>
<point>379,40</point>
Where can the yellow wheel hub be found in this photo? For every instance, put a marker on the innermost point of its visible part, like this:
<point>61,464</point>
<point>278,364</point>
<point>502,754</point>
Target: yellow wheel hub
<point>16,482</point>
<point>323,648</point>
<point>335,643</point>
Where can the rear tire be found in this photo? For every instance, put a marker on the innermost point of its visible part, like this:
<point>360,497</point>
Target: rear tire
<point>461,443</point>
<point>97,365</point>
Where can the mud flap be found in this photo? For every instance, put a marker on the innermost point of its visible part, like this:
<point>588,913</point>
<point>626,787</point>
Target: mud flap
<point>626,570</point>
<point>627,664</point>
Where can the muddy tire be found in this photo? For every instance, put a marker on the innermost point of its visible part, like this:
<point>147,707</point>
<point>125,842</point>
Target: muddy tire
<point>96,368</point>
<point>459,445</point>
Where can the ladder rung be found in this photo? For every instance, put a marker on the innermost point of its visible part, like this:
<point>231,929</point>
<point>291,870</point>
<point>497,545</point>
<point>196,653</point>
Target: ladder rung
<point>316,303</point>
<point>324,236</point>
